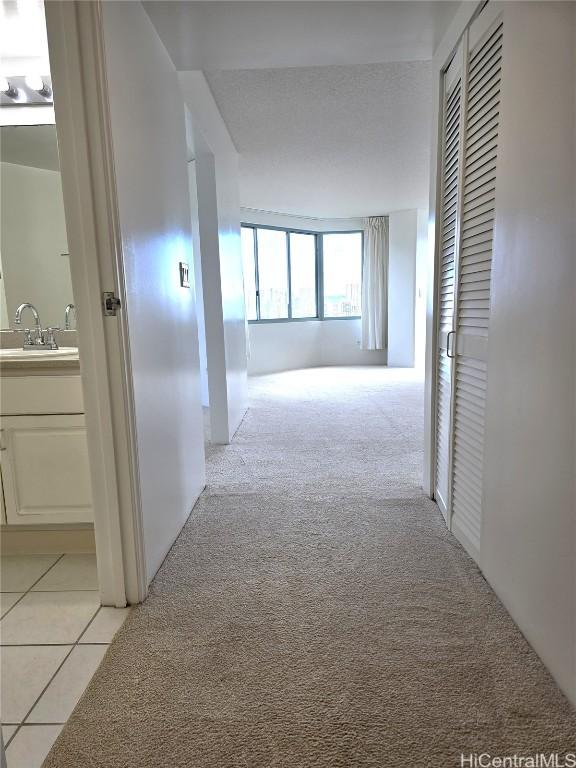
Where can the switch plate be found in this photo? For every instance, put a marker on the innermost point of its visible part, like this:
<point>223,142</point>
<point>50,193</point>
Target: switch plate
<point>184,278</point>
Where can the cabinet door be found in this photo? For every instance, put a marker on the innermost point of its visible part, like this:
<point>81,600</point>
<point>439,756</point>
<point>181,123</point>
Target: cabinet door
<point>45,470</point>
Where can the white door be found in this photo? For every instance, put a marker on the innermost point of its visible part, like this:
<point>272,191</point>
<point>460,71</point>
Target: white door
<point>469,155</point>
<point>483,77</point>
<point>149,156</point>
<point>448,239</point>
<point>120,117</point>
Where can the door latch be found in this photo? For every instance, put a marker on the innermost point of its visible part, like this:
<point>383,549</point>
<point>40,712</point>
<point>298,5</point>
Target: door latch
<point>111,303</point>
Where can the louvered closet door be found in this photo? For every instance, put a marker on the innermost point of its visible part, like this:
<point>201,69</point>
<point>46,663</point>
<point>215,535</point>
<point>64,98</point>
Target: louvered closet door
<point>450,169</point>
<point>474,262</point>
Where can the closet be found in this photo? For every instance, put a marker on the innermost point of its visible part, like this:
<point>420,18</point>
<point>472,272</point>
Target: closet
<point>469,148</point>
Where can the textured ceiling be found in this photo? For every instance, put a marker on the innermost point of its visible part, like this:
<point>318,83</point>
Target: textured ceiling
<point>328,103</point>
<point>330,141</point>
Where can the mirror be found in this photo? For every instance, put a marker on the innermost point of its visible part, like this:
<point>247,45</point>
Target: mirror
<point>34,259</point>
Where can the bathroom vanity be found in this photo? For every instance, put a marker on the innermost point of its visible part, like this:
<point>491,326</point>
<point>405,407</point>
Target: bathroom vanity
<point>43,449</point>
<point>44,468</point>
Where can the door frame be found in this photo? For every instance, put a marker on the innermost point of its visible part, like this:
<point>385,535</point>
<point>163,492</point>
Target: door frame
<point>76,49</point>
<point>441,60</point>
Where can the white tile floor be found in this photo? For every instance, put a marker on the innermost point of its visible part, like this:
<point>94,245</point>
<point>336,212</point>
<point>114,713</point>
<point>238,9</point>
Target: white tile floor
<point>53,636</point>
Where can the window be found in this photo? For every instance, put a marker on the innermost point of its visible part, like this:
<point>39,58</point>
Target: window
<point>272,274</point>
<point>342,272</point>
<point>249,267</point>
<point>303,275</point>
<point>282,270</point>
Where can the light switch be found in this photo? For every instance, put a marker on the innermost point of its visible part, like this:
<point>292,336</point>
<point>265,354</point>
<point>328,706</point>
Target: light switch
<point>184,279</point>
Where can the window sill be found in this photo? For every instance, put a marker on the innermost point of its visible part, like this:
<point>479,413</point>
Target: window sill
<point>303,320</point>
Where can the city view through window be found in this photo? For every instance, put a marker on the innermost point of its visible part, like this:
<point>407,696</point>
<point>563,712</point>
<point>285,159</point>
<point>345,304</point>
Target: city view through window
<point>299,275</point>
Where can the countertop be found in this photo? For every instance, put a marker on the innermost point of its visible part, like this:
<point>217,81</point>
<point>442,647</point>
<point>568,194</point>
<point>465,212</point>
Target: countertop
<point>18,362</point>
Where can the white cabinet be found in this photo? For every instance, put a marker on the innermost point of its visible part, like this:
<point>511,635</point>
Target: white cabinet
<point>45,470</point>
<point>43,450</point>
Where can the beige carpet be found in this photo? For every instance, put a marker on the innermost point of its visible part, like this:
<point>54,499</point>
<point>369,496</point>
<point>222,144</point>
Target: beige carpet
<point>315,612</point>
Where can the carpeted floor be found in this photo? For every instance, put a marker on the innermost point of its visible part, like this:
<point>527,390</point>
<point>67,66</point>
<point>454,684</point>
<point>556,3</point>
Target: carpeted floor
<point>315,612</point>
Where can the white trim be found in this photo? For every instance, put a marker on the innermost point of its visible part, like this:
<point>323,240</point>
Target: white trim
<point>22,115</point>
<point>76,54</point>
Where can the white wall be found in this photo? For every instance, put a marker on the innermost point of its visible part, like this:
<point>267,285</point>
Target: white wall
<point>4,317</point>
<point>421,289</point>
<point>35,261</point>
<point>198,286</point>
<point>211,280</point>
<point>402,288</point>
<point>529,532</point>
<point>305,344</point>
<point>232,276</point>
<point>281,346</point>
<point>248,36</point>
<point>219,229</point>
<point>149,142</point>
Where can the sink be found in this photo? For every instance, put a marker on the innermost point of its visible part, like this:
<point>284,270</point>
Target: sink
<point>37,355</point>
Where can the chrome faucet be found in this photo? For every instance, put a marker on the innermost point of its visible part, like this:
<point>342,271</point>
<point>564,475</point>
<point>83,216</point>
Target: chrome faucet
<point>38,340</point>
<point>69,309</point>
<point>29,341</point>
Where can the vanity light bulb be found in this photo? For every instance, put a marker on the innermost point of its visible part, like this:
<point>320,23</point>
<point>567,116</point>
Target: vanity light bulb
<point>7,88</point>
<point>36,83</point>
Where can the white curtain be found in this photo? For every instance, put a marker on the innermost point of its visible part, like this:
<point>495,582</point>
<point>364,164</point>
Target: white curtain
<point>375,283</point>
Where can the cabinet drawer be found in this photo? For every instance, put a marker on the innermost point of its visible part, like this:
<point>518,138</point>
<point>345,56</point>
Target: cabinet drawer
<point>45,470</point>
<point>21,395</point>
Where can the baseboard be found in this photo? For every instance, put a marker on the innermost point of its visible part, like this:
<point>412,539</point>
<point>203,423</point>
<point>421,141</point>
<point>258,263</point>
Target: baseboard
<point>46,541</point>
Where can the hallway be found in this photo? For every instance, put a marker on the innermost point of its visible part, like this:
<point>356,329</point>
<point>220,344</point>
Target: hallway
<point>315,611</point>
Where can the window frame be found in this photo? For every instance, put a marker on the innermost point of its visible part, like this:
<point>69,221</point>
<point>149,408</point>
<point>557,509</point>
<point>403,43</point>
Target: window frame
<point>319,263</point>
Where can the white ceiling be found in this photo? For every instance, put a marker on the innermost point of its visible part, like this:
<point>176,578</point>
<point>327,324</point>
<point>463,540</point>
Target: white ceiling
<point>330,141</point>
<point>328,103</point>
<point>263,35</point>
